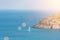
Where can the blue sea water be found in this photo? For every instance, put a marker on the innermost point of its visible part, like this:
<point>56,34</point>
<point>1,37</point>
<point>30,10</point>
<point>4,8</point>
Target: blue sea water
<point>10,20</point>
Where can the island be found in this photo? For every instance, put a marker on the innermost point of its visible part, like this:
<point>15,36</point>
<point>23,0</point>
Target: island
<point>51,22</point>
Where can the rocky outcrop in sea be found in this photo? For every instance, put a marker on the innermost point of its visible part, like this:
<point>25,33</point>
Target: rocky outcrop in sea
<point>51,22</point>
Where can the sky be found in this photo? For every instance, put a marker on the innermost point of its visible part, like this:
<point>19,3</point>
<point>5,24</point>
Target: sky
<point>30,4</point>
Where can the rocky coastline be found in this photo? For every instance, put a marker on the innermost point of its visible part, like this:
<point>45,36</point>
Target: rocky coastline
<point>51,22</point>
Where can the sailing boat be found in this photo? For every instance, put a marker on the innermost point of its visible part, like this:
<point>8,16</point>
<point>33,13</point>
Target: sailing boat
<point>28,29</point>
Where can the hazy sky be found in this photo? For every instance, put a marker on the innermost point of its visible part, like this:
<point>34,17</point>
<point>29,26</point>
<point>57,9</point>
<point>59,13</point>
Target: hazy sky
<point>30,4</point>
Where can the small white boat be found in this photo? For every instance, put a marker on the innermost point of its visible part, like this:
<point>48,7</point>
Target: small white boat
<point>28,29</point>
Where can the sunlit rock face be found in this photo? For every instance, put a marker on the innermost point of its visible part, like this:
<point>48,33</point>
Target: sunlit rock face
<point>51,22</point>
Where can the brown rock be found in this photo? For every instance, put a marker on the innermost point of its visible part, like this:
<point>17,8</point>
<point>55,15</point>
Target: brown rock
<point>51,22</point>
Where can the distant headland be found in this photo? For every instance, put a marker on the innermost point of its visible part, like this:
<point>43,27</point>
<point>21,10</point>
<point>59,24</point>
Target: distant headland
<point>51,22</point>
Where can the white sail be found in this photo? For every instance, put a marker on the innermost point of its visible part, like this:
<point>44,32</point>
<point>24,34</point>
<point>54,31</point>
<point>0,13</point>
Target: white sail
<point>28,29</point>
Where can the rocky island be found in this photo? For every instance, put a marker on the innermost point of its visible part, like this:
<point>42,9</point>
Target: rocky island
<point>51,22</point>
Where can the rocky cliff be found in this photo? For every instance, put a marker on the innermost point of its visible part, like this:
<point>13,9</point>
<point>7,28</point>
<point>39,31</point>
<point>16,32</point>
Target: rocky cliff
<point>51,22</point>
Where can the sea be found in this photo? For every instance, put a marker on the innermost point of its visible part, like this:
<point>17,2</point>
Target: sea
<point>10,20</point>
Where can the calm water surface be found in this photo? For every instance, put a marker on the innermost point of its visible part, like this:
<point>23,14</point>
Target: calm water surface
<point>11,20</point>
